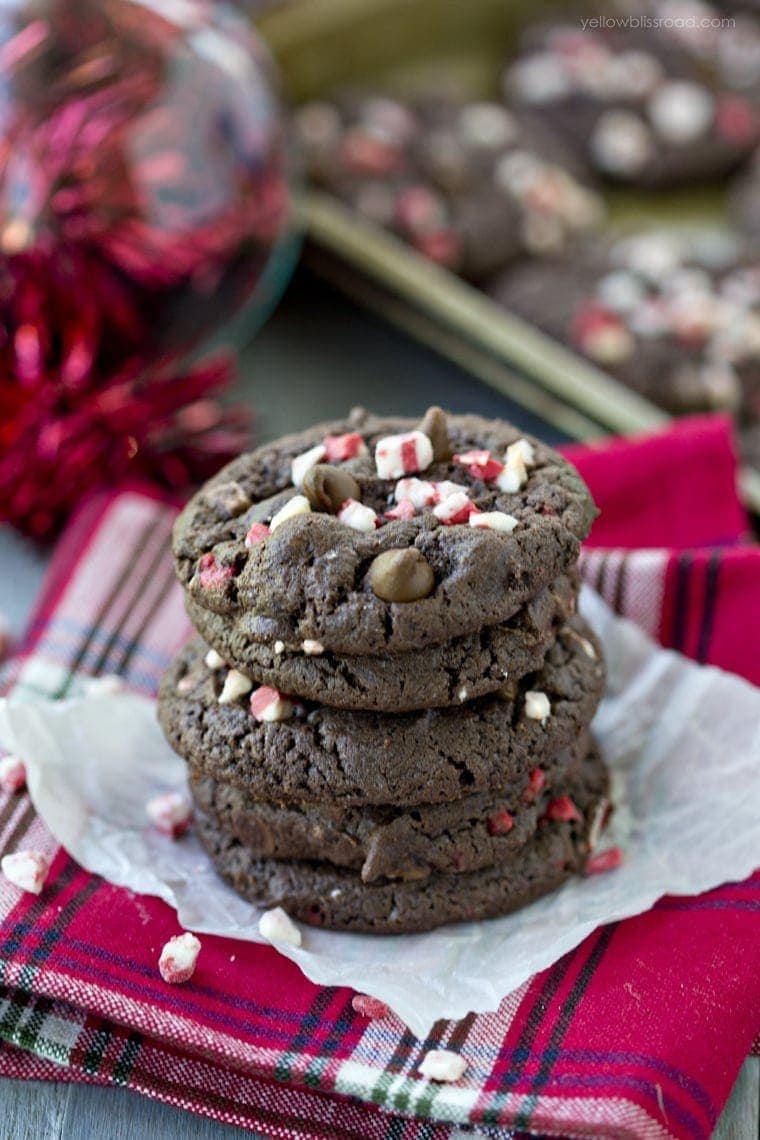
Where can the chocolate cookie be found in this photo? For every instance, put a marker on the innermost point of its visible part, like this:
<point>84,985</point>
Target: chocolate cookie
<point>398,536</point>
<point>460,670</point>
<point>636,107</point>
<point>335,897</point>
<point>471,185</point>
<point>387,843</point>
<point>278,750</point>
<point>672,319</point>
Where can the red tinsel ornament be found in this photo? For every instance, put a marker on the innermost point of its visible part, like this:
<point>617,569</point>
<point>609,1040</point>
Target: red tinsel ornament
<point>143,190</point>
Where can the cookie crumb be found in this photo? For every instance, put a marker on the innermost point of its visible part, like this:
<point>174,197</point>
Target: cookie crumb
<point>178,957</point>
<point>276,926</point>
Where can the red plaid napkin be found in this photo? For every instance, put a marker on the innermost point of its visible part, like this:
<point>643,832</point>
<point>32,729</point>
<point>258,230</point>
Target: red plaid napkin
<point>639,1032</point>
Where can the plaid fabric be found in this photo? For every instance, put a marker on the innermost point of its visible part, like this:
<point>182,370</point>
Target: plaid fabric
<point>639,1032</point>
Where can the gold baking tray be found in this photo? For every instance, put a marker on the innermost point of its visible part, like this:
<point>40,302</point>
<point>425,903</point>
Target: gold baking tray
<point>402,45</point>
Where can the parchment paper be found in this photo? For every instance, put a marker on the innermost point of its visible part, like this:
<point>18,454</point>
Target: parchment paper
<point>684,744</point>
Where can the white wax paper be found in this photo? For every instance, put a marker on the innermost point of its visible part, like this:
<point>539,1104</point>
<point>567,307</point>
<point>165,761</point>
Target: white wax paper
<point>683,742</point>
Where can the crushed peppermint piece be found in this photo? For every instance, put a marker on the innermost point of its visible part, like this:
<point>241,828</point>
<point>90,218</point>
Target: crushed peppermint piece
<point>312,648</point>
<point>603,861</point>
<point>420,492</point>
<point>601,334</point>
<point>524,449</point>
<point>214,660</point>
<point>455,509</point>
<point>186,684</point>
<point>404,509</point>
<point>443,1065</point>
<point>12,774</point>
<point>358,516</point>
<point>277,926</point>
<point>27,870</point>
<point>211,575</point>
<point>304,462</point>
<point>398,455</point>
<point>494,520</point>
<point>268,704</point>
<point>463,693</point>
<point>501,823</point>
<point>279,647</point>
<point>563,810</point>
<point>341,447</point>
<point>536,781</point>
<point>480,465</point>
<point>170,813</point>
<point>621,143</point>
<point>537,705</point>
<point>298,505</point>
<point>257,533</point>
<point>680,111</point>
<point>236,684</point>
<point>370,1007</point>
<point>178,957</point>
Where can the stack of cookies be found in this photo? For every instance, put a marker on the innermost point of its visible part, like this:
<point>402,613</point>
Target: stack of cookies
<point>386,715</point>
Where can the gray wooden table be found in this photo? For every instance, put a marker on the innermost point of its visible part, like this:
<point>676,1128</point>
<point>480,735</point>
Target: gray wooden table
<point>316,357</point>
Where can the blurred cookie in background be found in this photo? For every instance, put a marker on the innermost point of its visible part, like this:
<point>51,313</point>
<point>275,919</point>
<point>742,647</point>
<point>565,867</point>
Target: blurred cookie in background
<point>471,185</point>
<point>745,200</point>
<point>677,319</point>
<point>636,106</point>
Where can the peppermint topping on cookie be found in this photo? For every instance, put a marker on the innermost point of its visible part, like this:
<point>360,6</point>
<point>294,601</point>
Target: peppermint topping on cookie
<point>236,684</point>
<point>398,455</point>
<point>341,447</point>
<point>455,509</point>
<point>680,111</point>
<point>256,533</point>
<point>443,1065</point>
<point>604,861</point>
<point>178,958</point>
<point>536,781</point>
<point>27,870</point>
<point>277,926</point>
<point>501,823</point>
<point>304,462</point>
<point>480,464</point>
<point>563,810</point>
<point>537,705</point>
<point>12,774</point>
<point>419,492</point>
<point>298,505</point>
<point>170,813</point>
<point>358,516</point>
<point>270,705</point>
<point>211,575</point>
<point>312,648</point>
<point>214,660</point>
<point>404,509</point>
<point>621,143</point>
<point>493,520</point>
<point>601,334</point>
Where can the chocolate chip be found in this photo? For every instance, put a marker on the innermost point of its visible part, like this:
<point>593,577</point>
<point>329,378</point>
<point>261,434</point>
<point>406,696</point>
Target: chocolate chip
<point>401,576</point>
<point>228,500</point>
<point>327,487</point>
<point>433,425</point>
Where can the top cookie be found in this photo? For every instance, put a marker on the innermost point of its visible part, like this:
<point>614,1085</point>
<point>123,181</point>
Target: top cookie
<point>394,535</point>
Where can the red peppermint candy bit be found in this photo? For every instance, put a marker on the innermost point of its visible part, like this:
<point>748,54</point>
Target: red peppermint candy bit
<point>536,781</point>
<point>257,532</point>
<point>418,209</point>
<point>403,510</point>
<point>591,320</point>
<point>604,861</point>
<point>369,1006</point>
<point>341,447</point>
<point>211,575</point>
<point>735,120</point>
<point>480,465</point>
<point>441,246</point>
<point>563,810</point>
<point>364,154</point>
<point>501,823</point>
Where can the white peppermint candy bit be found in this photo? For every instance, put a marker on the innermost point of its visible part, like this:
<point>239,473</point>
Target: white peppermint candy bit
<point>443,1065</point>
<point>277,927</point>
<point>446,488</point>
<point>638,73</point>
<point>27,870</point>
<point>303,463</point>
<point>621,143</point>
<point>419,492</point>
<point>104,686</point>
<point>487,125</point>
<point>681,112</point>
<point>357,516</point>
<point>312,648</point>
<point>537,705</point>
<point>12,774</point>
<point>270,705</point>
<point>398,455</point>
<point>178,958</point>
<point>539,78</point>
<point>298,505</point>
<point>494,520</point>
<point>620,291</point>
<point>214,660</point>
<point>170,813</point>
<point>452,507</point>
<point>236,684</point>
<point>279,647</point>
<point>186,684</point>
<point>318,124</point>
<point>524,449</point>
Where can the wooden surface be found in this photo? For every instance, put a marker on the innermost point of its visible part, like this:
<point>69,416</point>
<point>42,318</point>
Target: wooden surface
<point>316,357</point>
